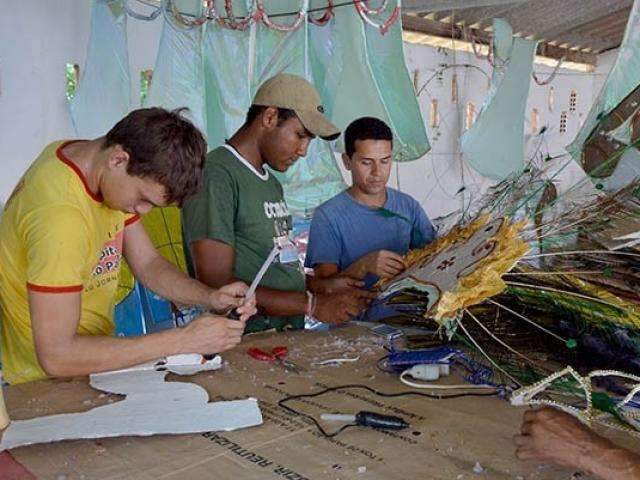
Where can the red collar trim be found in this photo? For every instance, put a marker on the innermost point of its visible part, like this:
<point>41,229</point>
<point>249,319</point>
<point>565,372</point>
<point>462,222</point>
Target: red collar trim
<point>64,159</point>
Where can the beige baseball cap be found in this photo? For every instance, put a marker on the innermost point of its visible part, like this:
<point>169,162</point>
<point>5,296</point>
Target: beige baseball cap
<point>295,93</point>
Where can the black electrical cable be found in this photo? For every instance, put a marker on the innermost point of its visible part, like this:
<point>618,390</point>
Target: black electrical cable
<point>288,398</point>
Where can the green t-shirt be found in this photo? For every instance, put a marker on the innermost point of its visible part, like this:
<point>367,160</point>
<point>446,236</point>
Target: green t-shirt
<point>243,208</point>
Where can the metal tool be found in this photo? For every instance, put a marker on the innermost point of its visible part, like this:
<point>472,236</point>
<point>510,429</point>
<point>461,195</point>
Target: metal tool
<point>258,278</point>
<point>278,354</point>
<point>233,314</point>
<point>263,269</point>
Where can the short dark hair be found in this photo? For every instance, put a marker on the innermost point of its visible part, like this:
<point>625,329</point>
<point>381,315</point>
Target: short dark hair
<point>365,128</point>
<point>164,146</point>
<point>255,110</point>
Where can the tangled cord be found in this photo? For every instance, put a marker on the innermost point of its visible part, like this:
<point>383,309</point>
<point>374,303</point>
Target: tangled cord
<point>289,398</point>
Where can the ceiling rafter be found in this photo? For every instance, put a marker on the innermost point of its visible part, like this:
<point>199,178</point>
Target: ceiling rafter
<point>422,25</point>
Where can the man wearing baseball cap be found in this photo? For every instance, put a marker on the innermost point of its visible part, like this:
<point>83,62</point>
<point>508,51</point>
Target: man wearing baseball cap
<point>239,214</point>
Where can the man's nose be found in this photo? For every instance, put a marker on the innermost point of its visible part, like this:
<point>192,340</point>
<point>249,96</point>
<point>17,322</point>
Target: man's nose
<point>304,146</point>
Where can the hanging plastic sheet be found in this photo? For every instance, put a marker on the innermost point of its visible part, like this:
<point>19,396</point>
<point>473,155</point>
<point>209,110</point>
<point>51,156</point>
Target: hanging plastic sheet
<point>104,94</point>
<point>394,85</point>
<point>178,81</point>
<point>361,72</point>
<point>237,62</point>
<point>178,76</point>
<point>601,145</point>
<point>494,145</point>
<point>357,71</point>
<point>315,178</point>
<point>215,72</point>
<point>228,91</point>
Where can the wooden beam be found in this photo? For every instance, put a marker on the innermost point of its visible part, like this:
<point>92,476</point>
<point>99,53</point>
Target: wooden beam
<point>445,30</point>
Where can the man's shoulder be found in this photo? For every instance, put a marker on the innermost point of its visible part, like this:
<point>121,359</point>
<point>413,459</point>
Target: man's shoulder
<point>398,195</point>
<point>403,200</point>
<point>222,163</point>
<point>49,163</point>
<point>48,181</point>
<point>221,166</point>
<point>220,157</point>
<point>334,205</point>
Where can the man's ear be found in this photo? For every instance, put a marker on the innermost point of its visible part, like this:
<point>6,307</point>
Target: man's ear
<point>346,161</point>
<point>118,157</point>
<point>270,118</point>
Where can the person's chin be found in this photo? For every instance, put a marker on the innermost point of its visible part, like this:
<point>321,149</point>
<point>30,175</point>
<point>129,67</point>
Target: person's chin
<point>375,188</point>
<point>127,210</point>
<point>110,205</point>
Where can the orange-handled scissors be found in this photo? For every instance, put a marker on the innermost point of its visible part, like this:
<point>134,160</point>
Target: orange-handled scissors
<point>277,354</point>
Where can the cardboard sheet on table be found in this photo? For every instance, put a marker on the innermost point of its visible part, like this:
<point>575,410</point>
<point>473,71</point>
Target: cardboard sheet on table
<point>445,440</point>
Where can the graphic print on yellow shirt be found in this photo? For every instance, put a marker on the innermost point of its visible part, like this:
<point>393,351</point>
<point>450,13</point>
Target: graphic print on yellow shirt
<point>56,236</point>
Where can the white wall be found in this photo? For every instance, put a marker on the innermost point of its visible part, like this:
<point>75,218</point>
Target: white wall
<point>38,38</point>
<point>435,178</point>
<point>605,62</point>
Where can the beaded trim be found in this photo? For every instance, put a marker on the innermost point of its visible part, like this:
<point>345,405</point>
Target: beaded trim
<point>588,415</point>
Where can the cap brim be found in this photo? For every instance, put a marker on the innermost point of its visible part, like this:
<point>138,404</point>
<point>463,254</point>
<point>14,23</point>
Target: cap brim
<point>317,124</point>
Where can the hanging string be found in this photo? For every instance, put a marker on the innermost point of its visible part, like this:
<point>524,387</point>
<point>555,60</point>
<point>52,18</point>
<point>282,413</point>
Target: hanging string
<point>490,56</point>
<point>232,22</point>
<point>494,60</point>
<point>257,12</point>
<point>375,11</point>
<point>551,77</point>
<point>471,38</point>
<point>302,13</point>
<point>324,19</point>
<point>138,16</point>
<point>170,19</point>
<point>197,21</point>
<point>439,71</point>
<point>365,11</point>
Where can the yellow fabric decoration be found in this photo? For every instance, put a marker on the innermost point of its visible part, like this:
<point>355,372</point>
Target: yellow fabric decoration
<point>485,280</point>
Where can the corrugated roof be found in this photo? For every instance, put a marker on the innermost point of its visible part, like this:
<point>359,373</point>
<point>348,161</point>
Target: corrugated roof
<point>574,29</point>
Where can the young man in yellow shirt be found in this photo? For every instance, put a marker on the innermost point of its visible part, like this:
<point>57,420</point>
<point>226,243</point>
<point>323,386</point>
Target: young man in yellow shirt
<point>65,228</point>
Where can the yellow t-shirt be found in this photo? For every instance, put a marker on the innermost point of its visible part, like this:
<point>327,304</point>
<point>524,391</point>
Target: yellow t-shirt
<point>55,236</point>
